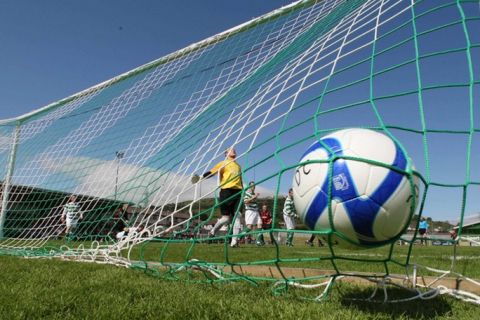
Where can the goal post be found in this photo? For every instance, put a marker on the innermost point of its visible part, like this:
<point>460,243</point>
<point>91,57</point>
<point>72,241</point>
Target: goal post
<point>7,180</point>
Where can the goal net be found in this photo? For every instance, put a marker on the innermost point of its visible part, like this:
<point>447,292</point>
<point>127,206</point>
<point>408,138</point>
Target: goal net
<point>106,174</point>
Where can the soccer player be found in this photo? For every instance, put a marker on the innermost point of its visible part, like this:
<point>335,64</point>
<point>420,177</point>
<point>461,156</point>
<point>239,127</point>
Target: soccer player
<point>252,218</point>
<point>423,230</point>
<point>309,242</point>
<point>266,217</point>
<point>231,186</point>
<point>119,219</point>
<point>453,235</point>
<point>289,215</point>
<point>71,214</point>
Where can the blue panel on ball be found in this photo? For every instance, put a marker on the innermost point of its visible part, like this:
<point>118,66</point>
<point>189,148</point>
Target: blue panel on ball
<point>316,208</point>
<point>333,144</point>
<point>362,212</point>
<point>392,180</point>
<point>343,186</point>
<point>319,203</point>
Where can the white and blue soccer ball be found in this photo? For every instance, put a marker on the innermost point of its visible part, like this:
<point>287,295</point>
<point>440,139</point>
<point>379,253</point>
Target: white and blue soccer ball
<point>370,204</point>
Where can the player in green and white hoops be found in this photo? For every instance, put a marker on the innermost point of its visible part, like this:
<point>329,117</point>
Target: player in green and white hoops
<point>71,215</point>
<point>289,215</point>
<point>252,216</point>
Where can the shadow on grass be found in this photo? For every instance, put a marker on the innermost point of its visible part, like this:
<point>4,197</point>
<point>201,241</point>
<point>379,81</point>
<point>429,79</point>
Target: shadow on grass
<point>418,308</point>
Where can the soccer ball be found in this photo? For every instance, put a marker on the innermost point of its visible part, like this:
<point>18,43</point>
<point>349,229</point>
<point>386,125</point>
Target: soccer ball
<point>370,204</point>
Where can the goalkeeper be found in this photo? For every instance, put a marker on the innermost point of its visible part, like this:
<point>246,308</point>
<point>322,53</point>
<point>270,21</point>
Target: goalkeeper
<point>231,186</point>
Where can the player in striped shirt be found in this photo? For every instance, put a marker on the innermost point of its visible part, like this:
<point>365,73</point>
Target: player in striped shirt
<point>289,215</point>
<point>252,217</point>
<point>71,215</point>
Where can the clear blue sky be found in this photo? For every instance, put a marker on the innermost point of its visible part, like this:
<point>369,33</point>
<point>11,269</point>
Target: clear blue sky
<point>51,49</point>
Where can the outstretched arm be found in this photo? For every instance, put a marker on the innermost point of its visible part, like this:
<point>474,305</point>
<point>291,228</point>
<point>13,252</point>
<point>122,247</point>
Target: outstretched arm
<point>208,174</point>
<point>253,197</point>
<point>214,170</point>
<point>195,178</point>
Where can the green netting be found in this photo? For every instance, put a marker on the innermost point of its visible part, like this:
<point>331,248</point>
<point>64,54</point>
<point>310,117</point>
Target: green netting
<point>127,148</point>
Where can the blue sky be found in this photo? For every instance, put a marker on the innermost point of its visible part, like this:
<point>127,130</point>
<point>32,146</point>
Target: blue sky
<point>53,49</point>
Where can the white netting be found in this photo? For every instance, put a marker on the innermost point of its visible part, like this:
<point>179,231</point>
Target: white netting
<point>268,88</point>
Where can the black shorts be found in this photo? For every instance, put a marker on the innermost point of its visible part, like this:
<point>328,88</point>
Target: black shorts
<point>229,201</point>
<point>422,231</point>
<point>266,226</point>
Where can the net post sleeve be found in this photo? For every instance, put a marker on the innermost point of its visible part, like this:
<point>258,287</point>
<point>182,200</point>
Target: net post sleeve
<point>8,178</point>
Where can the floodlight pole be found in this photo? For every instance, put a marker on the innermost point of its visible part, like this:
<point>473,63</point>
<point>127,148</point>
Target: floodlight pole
<point>8,178</point>
<point>118,156</point>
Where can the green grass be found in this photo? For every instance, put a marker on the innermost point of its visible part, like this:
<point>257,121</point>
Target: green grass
<point>388,258</point>
<point>54,289</point>
<point>371,260</point>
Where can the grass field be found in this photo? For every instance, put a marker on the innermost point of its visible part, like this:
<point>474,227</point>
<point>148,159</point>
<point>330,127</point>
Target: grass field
<point>440,257</point>
<point>54,289</point>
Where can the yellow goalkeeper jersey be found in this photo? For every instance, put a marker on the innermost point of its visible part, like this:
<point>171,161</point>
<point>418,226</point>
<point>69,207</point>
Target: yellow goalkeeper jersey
<point>230,174</point>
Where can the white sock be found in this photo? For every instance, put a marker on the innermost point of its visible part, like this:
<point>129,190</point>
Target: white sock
<point>220,223</point>
<point>237,226</point>
<point>236,230</point>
